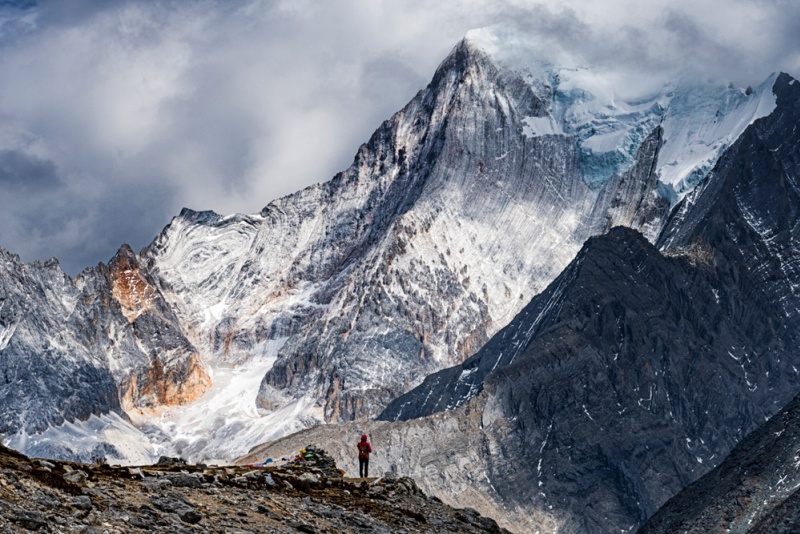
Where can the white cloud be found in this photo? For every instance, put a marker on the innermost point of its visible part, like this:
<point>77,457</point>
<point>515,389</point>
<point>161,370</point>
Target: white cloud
<point>145,107</point>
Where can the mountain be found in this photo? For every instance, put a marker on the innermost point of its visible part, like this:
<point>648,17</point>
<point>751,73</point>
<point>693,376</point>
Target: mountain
<point>331,302</point>
<point>87,350</point>
<point>753,490</point>
<point>615,373</point>
<point>599,401</point>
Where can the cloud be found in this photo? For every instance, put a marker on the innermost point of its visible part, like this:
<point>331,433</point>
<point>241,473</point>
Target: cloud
<point>26,173</point>
<point>117,114</point>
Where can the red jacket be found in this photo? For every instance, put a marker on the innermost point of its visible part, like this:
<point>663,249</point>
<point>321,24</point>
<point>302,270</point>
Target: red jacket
<point>364,448</point>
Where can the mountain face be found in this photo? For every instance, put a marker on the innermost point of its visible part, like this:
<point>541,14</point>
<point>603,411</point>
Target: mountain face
<point>602,396</point>
<point>479,192</point>
<point>610,381</point>
<point>753,490</point>
<point>329,303</point>
<point>74,350</point>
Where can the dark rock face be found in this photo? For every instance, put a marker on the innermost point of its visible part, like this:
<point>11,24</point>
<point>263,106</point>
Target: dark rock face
<point>748,212</point>
<point>608,384</point>
<point>753,490</point>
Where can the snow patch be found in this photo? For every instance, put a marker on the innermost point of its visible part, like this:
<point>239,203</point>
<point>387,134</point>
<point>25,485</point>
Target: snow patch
<point>5,334</point>
<point>701,122</point>
<point>76,439</point>
<point>539,126</point>
<point>225,423</point>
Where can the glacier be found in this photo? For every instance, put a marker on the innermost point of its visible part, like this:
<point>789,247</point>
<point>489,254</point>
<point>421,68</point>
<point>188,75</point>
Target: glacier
<point>610,111</point>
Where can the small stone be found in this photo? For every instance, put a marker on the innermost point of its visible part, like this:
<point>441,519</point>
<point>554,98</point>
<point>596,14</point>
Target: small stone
<point>77,476</point>
<point>190,516</point>
<point>309,477</point>
<point>81,502</point>
<point>28,520</point>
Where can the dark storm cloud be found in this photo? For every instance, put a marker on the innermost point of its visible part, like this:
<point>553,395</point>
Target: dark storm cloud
<point>115,115</point>
<point>26,173</point>
<point>84,231</point>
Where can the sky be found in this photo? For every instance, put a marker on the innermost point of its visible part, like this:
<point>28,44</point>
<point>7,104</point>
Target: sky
<point>115,115</point>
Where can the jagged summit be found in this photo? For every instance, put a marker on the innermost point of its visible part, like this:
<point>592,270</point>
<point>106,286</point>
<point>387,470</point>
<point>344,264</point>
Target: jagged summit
<point>334,300</point>
<point>610,110</point>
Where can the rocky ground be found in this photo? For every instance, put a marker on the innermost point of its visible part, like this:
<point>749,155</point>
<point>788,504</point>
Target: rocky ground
<point>308,495</point>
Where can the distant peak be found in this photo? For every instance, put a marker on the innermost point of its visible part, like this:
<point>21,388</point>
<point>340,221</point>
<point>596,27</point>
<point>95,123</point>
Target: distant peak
<point>200,217</point>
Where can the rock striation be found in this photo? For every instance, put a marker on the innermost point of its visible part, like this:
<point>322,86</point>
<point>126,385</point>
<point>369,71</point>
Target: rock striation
<point>753,490</point>
<point>607,385</point>
<point>460,208</point>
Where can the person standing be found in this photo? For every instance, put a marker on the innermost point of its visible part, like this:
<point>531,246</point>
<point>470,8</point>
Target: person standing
<point>364,448</point>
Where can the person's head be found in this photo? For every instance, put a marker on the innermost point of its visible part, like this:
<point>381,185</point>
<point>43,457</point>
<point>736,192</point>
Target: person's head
<point>363,437</point>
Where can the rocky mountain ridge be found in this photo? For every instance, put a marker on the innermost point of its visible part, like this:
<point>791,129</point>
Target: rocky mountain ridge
<point>53,496</point>
<point>725,328</point>
<point>480,191</point>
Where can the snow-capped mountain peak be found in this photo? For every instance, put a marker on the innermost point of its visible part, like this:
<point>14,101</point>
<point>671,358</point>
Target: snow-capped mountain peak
<point>331,302</point>
<point>610,110</point>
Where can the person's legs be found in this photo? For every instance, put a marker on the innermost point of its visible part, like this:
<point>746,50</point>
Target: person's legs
<point>366,468</point>
<point>361,467</point>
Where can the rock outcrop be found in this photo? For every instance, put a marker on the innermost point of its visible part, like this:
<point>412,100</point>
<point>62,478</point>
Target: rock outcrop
<point>52,496</point>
